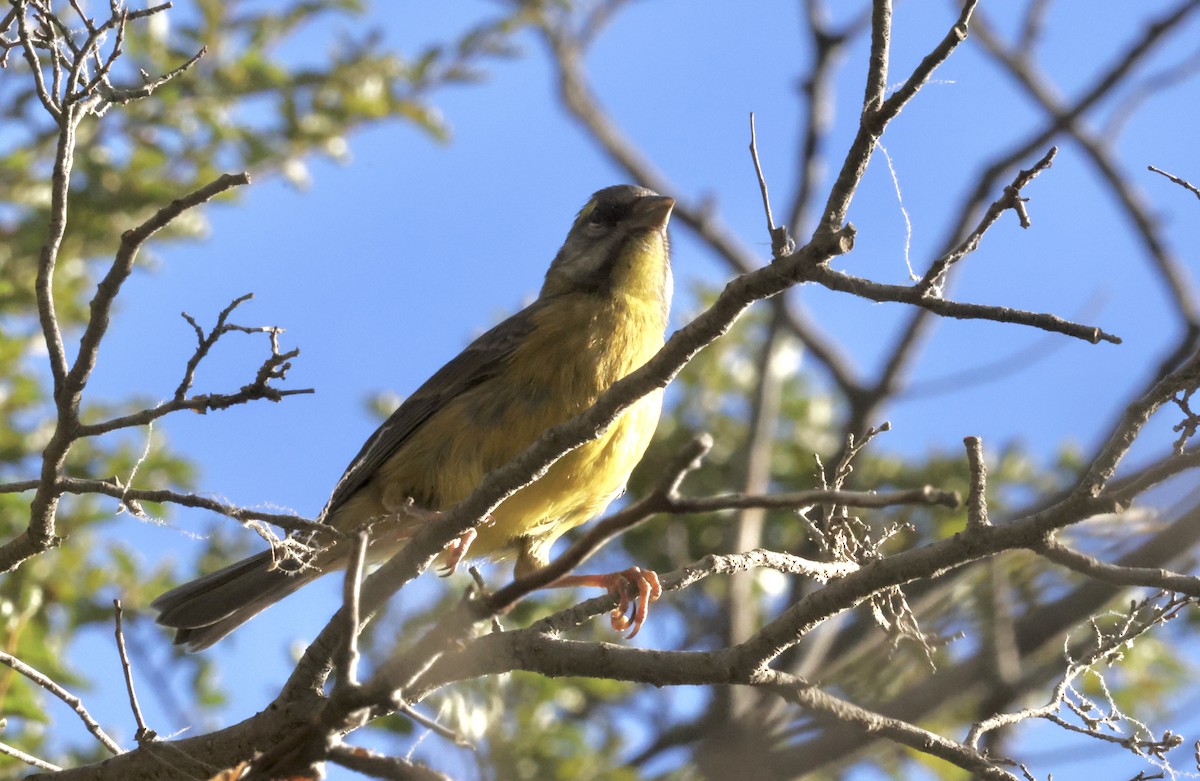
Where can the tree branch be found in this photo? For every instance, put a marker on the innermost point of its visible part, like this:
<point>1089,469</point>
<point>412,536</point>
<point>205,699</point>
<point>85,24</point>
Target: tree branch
<point>1150,577</point>
<point>73,702</point>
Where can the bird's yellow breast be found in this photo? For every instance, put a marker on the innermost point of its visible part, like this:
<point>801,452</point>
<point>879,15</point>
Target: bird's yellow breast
<point>580,344</point>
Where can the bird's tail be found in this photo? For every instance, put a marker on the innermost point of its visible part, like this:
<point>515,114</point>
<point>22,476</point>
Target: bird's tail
<point>206,609</point>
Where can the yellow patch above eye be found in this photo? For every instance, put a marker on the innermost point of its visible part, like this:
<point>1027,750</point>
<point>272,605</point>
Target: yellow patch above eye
<point>586,211</point>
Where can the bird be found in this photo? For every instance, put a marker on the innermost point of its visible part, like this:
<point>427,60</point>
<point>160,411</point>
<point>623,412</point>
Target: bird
<point>602,313</point>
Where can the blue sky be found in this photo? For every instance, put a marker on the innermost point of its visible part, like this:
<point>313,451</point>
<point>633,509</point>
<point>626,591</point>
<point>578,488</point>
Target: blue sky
<point>388,265</point>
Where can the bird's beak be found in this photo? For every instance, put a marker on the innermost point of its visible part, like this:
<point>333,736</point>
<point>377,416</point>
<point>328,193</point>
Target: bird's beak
<point>651,213</point>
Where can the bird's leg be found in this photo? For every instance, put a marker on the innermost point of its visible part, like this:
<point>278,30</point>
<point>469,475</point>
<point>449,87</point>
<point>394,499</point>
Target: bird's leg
<point>635,587</point>
<point>456,550</point>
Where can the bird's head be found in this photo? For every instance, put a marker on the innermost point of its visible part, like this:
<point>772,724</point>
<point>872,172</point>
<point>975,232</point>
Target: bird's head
<point>617,247</point>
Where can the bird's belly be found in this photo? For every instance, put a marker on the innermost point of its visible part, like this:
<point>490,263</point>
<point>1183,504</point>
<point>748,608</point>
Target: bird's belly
<point>576,488</point>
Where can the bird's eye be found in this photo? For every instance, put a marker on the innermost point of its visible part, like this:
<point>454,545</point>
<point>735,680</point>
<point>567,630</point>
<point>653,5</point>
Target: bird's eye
<point>605,216</point>
<point>600,217</point>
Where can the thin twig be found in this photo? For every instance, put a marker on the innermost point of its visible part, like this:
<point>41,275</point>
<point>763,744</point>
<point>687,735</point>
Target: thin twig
<point>781,242</point>
<point>206,342</point>
<point>799,500</point>
<point>1011,199</point>
<point>123,96</point>
<point>1102,646</point>
<point>1181,182</point>
<point>274,367</point>
<point>49,101</point>
<point>28,759</point>
<point>114,488</point>
<point>144,734</point>
<point>762,182</point>
<point>71,700</point>
<point>434,727</point>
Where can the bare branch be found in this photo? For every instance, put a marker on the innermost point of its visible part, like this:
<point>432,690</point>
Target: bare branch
<point>28,759</point>
<point>144,734</point>
<point>926,495</point>
<point>19,486</point>
<point>1181,182</point>
<point>1069,119</point>
<point>1118,575</point>
<point>547,654</point>
<point>73,702</point>
<point>1035,635</point>
<point>434,727</point>
<point>122,96</point>
<point>877,60</point>
<point>40,535</point>
<point>1134,417</point>
<point>131,242</point>
<point>977,514</point>
<point>206,342</point>
<point>826,705</point>
<point>878,112</point>
<point>275,367</point>
<point>1124,490</point>
<point>781,243</point>
<point>113,488</point>
<point>375,765</point>
<point>1104,646</point>
<point>876,291</point>
<point>1011,199</point>
<point>207,402</point>
<point>28,46</point>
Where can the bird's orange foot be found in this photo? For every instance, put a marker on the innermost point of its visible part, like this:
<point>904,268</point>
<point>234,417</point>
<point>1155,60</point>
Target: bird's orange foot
<point>635,587</point>
<point>456,551</point>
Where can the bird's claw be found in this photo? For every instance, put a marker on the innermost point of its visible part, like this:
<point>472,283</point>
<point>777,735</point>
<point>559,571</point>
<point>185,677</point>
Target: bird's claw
<point>635,589</point>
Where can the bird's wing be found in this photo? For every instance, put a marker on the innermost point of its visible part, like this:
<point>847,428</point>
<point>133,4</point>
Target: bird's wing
<point>480,361</point>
